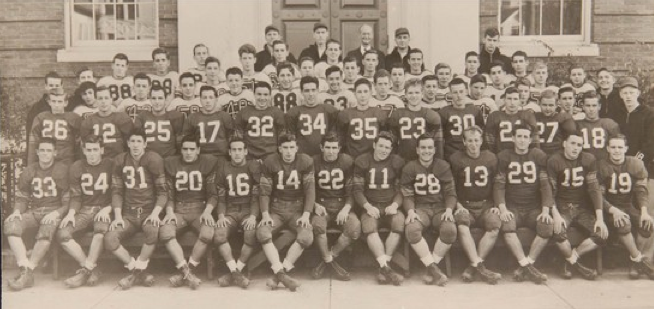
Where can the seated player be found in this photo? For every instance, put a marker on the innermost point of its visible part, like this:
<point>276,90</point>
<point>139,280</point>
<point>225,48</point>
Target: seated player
<point>351,69</point>
<point>430,91</point>
<point>410,122</point>
<point>397,81</point>
<point>113,127</point>
<point>211,125</point>
<point>58,124</point>
<point>333,208</point>
<point>190,181</point>
<point>358,126</point>
<point>140,101</point>
<point>552,125</point>
<point>457,117</point>
<point>333,53</point>
<point>310,121</point>
<point>246,55</point>
<point>567,101</point>
<point>139,187</point>
<point>443,73</point>
<point>163,76</point>
<point>286,96</point>
<point>188,102</point>
<point>90,205</point>
<point>478,85</point>
<point>523,195</point>
<point>237,98</point>
<point>337,95</point>
<point>163,129</point>
<point>261,124</point>
<point>382,99</point>
<point>596,131</point>
<point>578,201</point>
<point>237,184</point>
<point>376,190</point>
<point>500,124</point>
<point>286,199</point>
<point>43,185</point>
<point>623,181</point>
<point>473,170</point>
<point>416,68</point>
<point>119,83</point>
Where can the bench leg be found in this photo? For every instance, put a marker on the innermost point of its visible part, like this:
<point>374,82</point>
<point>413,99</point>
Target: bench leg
<point>600,268</point>
<point>448,265</point>
<point>210,263</point>
<point>55,260</point>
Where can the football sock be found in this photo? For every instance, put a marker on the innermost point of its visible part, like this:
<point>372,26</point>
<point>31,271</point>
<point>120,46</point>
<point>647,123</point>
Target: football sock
<point>524,262</point>
<point>193,262</point>
<point>131,264</point>
<point>531,261</point>
<point>427,260</point>
<point>329,258</point>
<point>287,265</point>
<point>231,265</point>
<point>476,263</point>
<point>573,257</point>
<point>277,267</point>
<point>141,265</point>
<point>388,258</point>
<point>88,265</point>
<point>382,261</point>
<point>180,264</point>
<point>638,258</point>
<point>240,265</point>
<point>437,258</point>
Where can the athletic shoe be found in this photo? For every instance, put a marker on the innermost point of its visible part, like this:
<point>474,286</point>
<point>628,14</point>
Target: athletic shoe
<point>225,280</point>
<point>585,272</point>
<point>534,274</point>
<point>94,278</point>
<point>519,274</point>
<point>129,281</point>
<point>287,281</point>
<point>392,276</point>
<point>381,277</point>
<point>438,277</point>
<point>339,272</point>
<point>319,271</point>
<point>80,278</point>
<point>567,271</point>
<point>273,282</point>
<point>468,274</point>
<point>24,280</point>
<point>240,280</point>
<point>645,267</point>
<point>192,280</point>
<point>488,276</point>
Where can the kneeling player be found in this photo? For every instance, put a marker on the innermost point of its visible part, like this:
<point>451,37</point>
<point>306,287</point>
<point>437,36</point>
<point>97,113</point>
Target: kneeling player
<point>237,183</point>
<point>189,178</point>
<point>90,206</point>
<point>333,205</point>
<point>376,190</point>
<point>287,180</point>
<point>624,181</point>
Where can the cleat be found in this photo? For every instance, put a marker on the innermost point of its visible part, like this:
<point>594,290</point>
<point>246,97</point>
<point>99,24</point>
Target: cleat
<point>427,278</point>
<point>129,281</point>
<point>566,272</point>
<point>468,274</point>
<point>24,280</point>
<point>439,278</point>
<point>146,279</point>
<point>392,276</point>
<point>225,280</point>
<point>191,279</point>
<point>240,280</point>
<point>634,274</point>
<point>534,274</point>
<point>94,278</point>
<point>519,274</point>
<point>272,282</point>
<point>176,280</point>
<point>80,278</point>
<point>488,276</point>
<point>319,271</point>
<point>381,278</point>
<point>339,272</point>
<point>644,267</point>
<point>585,272</point>
<point>287,281</point>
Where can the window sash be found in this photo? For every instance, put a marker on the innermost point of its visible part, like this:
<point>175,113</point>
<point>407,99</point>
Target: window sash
<point>584,24</point>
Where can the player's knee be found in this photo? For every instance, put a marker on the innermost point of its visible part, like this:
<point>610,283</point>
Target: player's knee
<point>100,227</point>
<point>64,235</point>
<point>368,225</point>
<point>352,229</point>
<point>111,241</point>
<point>250,237</point>
<point>544,230</point>
<point>397,223</point>
<point>166,233</point>
<point>46,232</point>
<point>264,234</point>
<point>560,237</point>
<point>206,234</point>
<point>220,235</point>
<point>319,224</point>
<point>152,234</point>
<point>625,228</point>
<point>13,228</point>
<point>509,226</point>
<point>304,238</point>
<point>447,232</point>
<point>597,239</point>
<point>644,233</point>
<point>492,222</point>
<point>413,232</point>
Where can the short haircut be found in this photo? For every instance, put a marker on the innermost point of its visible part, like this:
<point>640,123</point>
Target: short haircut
<point>137,132</point>
<point>285,65</point>
<point>278,42</point>
<point>285,138</point>
<point>604,70</point>
<point>548,94</point>
<point>619,136</point>
<point>92,139</point>
<point>441,66</point>
<point>305,59</point>
<point>540,65</point>
<point>198,46</point>
<point>425,137</point>
<point>51,74</point>
<point>522,81</point>
<point>479,78</point>
<point>588,95</point>
<point>429,77</point>
<point>82,70</point>
<point>237,137</point>
<point>120,56</point>
<point>57,92</point>
<point>472,129</point>
<point>47,140</point>
<point>519,53</point>
<point>160,50</point>
<point>142,76</point>
<point>349,59</point>
<point>575,66</point>
<point>157,87</point>
<point>100,89</point>
<point>470,54</point>
<point>208,88</point>
<point>491,32</point>
<point>308,80</point>
<point>191,138</point>
<point>510,90</point>
<point>458,81</point>
<point>362,81</point>
<point>330,137</point>
<point>577,133</point>
<point>387,135</point>
<point>211,59</point>
<point>246,49</point>
<point>332,41</point>
<point>413,82</point>
<point>371,52</point>
<point>262,84</point>
<point>332,69</point>
<point>415,51</point>
<point>563,90</point>
<point>186,75</point>
<point>497,63</point>
<point>522,126</point>
<point>397,65</point>
<point>381,73</point>
<point>234,71</point>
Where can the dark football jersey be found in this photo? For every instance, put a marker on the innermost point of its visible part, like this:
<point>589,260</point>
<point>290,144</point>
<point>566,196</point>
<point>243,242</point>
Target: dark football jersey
<point>310,124</point>
<point>377,180</point>
<point>287,181</point>
<point>334,179</point>
<point>358,129</point>
<point>521,177</point>
<point>498,134</point>
<point>238,184</point>
<point>42,188</point>
<point>139,183</point>
<point>190,182</point>
<point>428,185</point>
<point>232,104</point>
<point>571,178</point>
<point>113,129</point>
<point>454,121</point>
<point>162,132</point>
<point>285,100</point>
<point>474,176</point>
<point>260,129</point>
<point>552,129</point>
<point>90,185</point>
<point>408,125</point>
<point>596,135</point>
<point>624,184</point>
<point>64,128</point>
<point>213,131</point>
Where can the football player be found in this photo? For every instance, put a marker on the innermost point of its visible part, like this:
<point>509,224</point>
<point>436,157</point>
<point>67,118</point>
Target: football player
<point>200,54</point>
<point>139,187</point>
<point>351,72</point>
<point>430,91</point>
<point>552,125</point>
<point>498,83</point>
<point>163,76</point>
<point>337,95</point>
<point>567,103</point>
<point>579,84</point>
<point>286,96</point>
<point>246,54</point>
<point>119,83</point>
<point>519,63</point>
<point>89,104</point>
<point>212,125</point>
<point>163,129</point>
<point>237,98</point>
<point>43,185</point>
<point>478,96</point>
<point>443,73</point>
<point>500,124</point>
<point>523,195</point>
<point>333,53</point>
<point>215,77</point>
<point>382,98</point>
<point>307,68</point>
<point>286,199</point>
<point>376,190</point>
<point>188,103</point>
<point>524,89</point>
<point>369,63</point>
<point>471,65</point>
<point>416,68</point>
<point>539,77</point>
<point>397,81</point>
<point>140,102</point>
<point>457,117</point>
<point>280,55</point>
<point>596,131</point>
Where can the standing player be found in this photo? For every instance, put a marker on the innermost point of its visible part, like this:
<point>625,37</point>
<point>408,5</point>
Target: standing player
<point>524,89</point>
<point>280,55</point>
<point>188,103</point>
<point>190,181</point>
<point>413,121</point>
<point>579,85</point>
<point>471,67</point>
<point>382,98</point>
<point>552,125</point>
<point>336,95</point>
<point>397,82</point>
<point>350,72</point>
<point>623,181</point>
<point>140,102</point>
<point>333,53</point>
<point>44,186</point>
<point>246,54</point>
<point>457,117</point>
<point>416,65</point>
<point>113,127</point>
<point>58,124</point>
<point>237,183</point>
<point>210,124</point>
<point>286,96</point>
<point>333,171</point>
<point>369,64</point>
<point>163,76</point>
<point>443,73</point>
<point>523,195</point>
<point>577,193</point>
<point>596,131</point>
<point>567,103</point>
<point>215,77</point>
<point>478,96</point>
<point>286,199</point>
<point>163,129</point>
<point>119,83</point>
<point>539,76</point>
<point>311,120</point>
<point>500,124</point>
<point>265,56</point>
<point>376,190</point>
<point>237,98</point>
<point>358,126</point>
<point>139,187</point>
<point>430,91</point>
<point>519,64</point>
<point>200,54</point>
<point>307,68</point>
<point>474,171</point>
<point>89,209</point>
<point>261,124</point>
<point>498,83</point>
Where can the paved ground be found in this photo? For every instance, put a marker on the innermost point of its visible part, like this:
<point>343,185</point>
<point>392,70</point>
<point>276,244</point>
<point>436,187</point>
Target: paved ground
<point>612,290</point>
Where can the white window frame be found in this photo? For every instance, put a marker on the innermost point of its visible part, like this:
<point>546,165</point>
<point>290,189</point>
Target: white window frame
<point>104,51</point>
<point>553,45</point>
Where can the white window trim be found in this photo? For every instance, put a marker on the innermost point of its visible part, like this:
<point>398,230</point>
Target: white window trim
<point>135,51</point>
<point>553,45</point>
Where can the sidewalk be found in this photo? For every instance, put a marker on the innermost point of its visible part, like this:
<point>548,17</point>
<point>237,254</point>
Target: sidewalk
<point>612,290</point>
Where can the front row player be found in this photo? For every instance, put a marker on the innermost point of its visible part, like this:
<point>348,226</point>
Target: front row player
<point>287,190</point>
<point>139,187</point>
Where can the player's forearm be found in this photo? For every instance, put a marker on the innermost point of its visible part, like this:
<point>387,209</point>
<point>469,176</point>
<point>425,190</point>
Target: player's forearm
<point>254,207</point>
<point>359,197</point>
<point>221,208</point>
<point>546,191</point>
<point>450,195</point>
<point>264,203</point>
<point>499,191</point>
<point>309,197</point>
<point>641,193</point>
<point>595,194</point>
<point>408,203</point>
<point>75,203</point>
<point>397,199</point>
<point>117,201</point>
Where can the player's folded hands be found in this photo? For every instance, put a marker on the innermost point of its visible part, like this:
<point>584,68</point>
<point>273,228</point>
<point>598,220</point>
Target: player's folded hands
<point>249,223</point>
<point>50,218</point>
<point>66,220</point>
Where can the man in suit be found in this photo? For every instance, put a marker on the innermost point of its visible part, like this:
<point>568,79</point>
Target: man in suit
<point>367,40</point>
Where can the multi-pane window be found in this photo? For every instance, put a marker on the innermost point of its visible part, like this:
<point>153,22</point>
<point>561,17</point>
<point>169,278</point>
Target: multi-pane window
<point>543,18</point>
